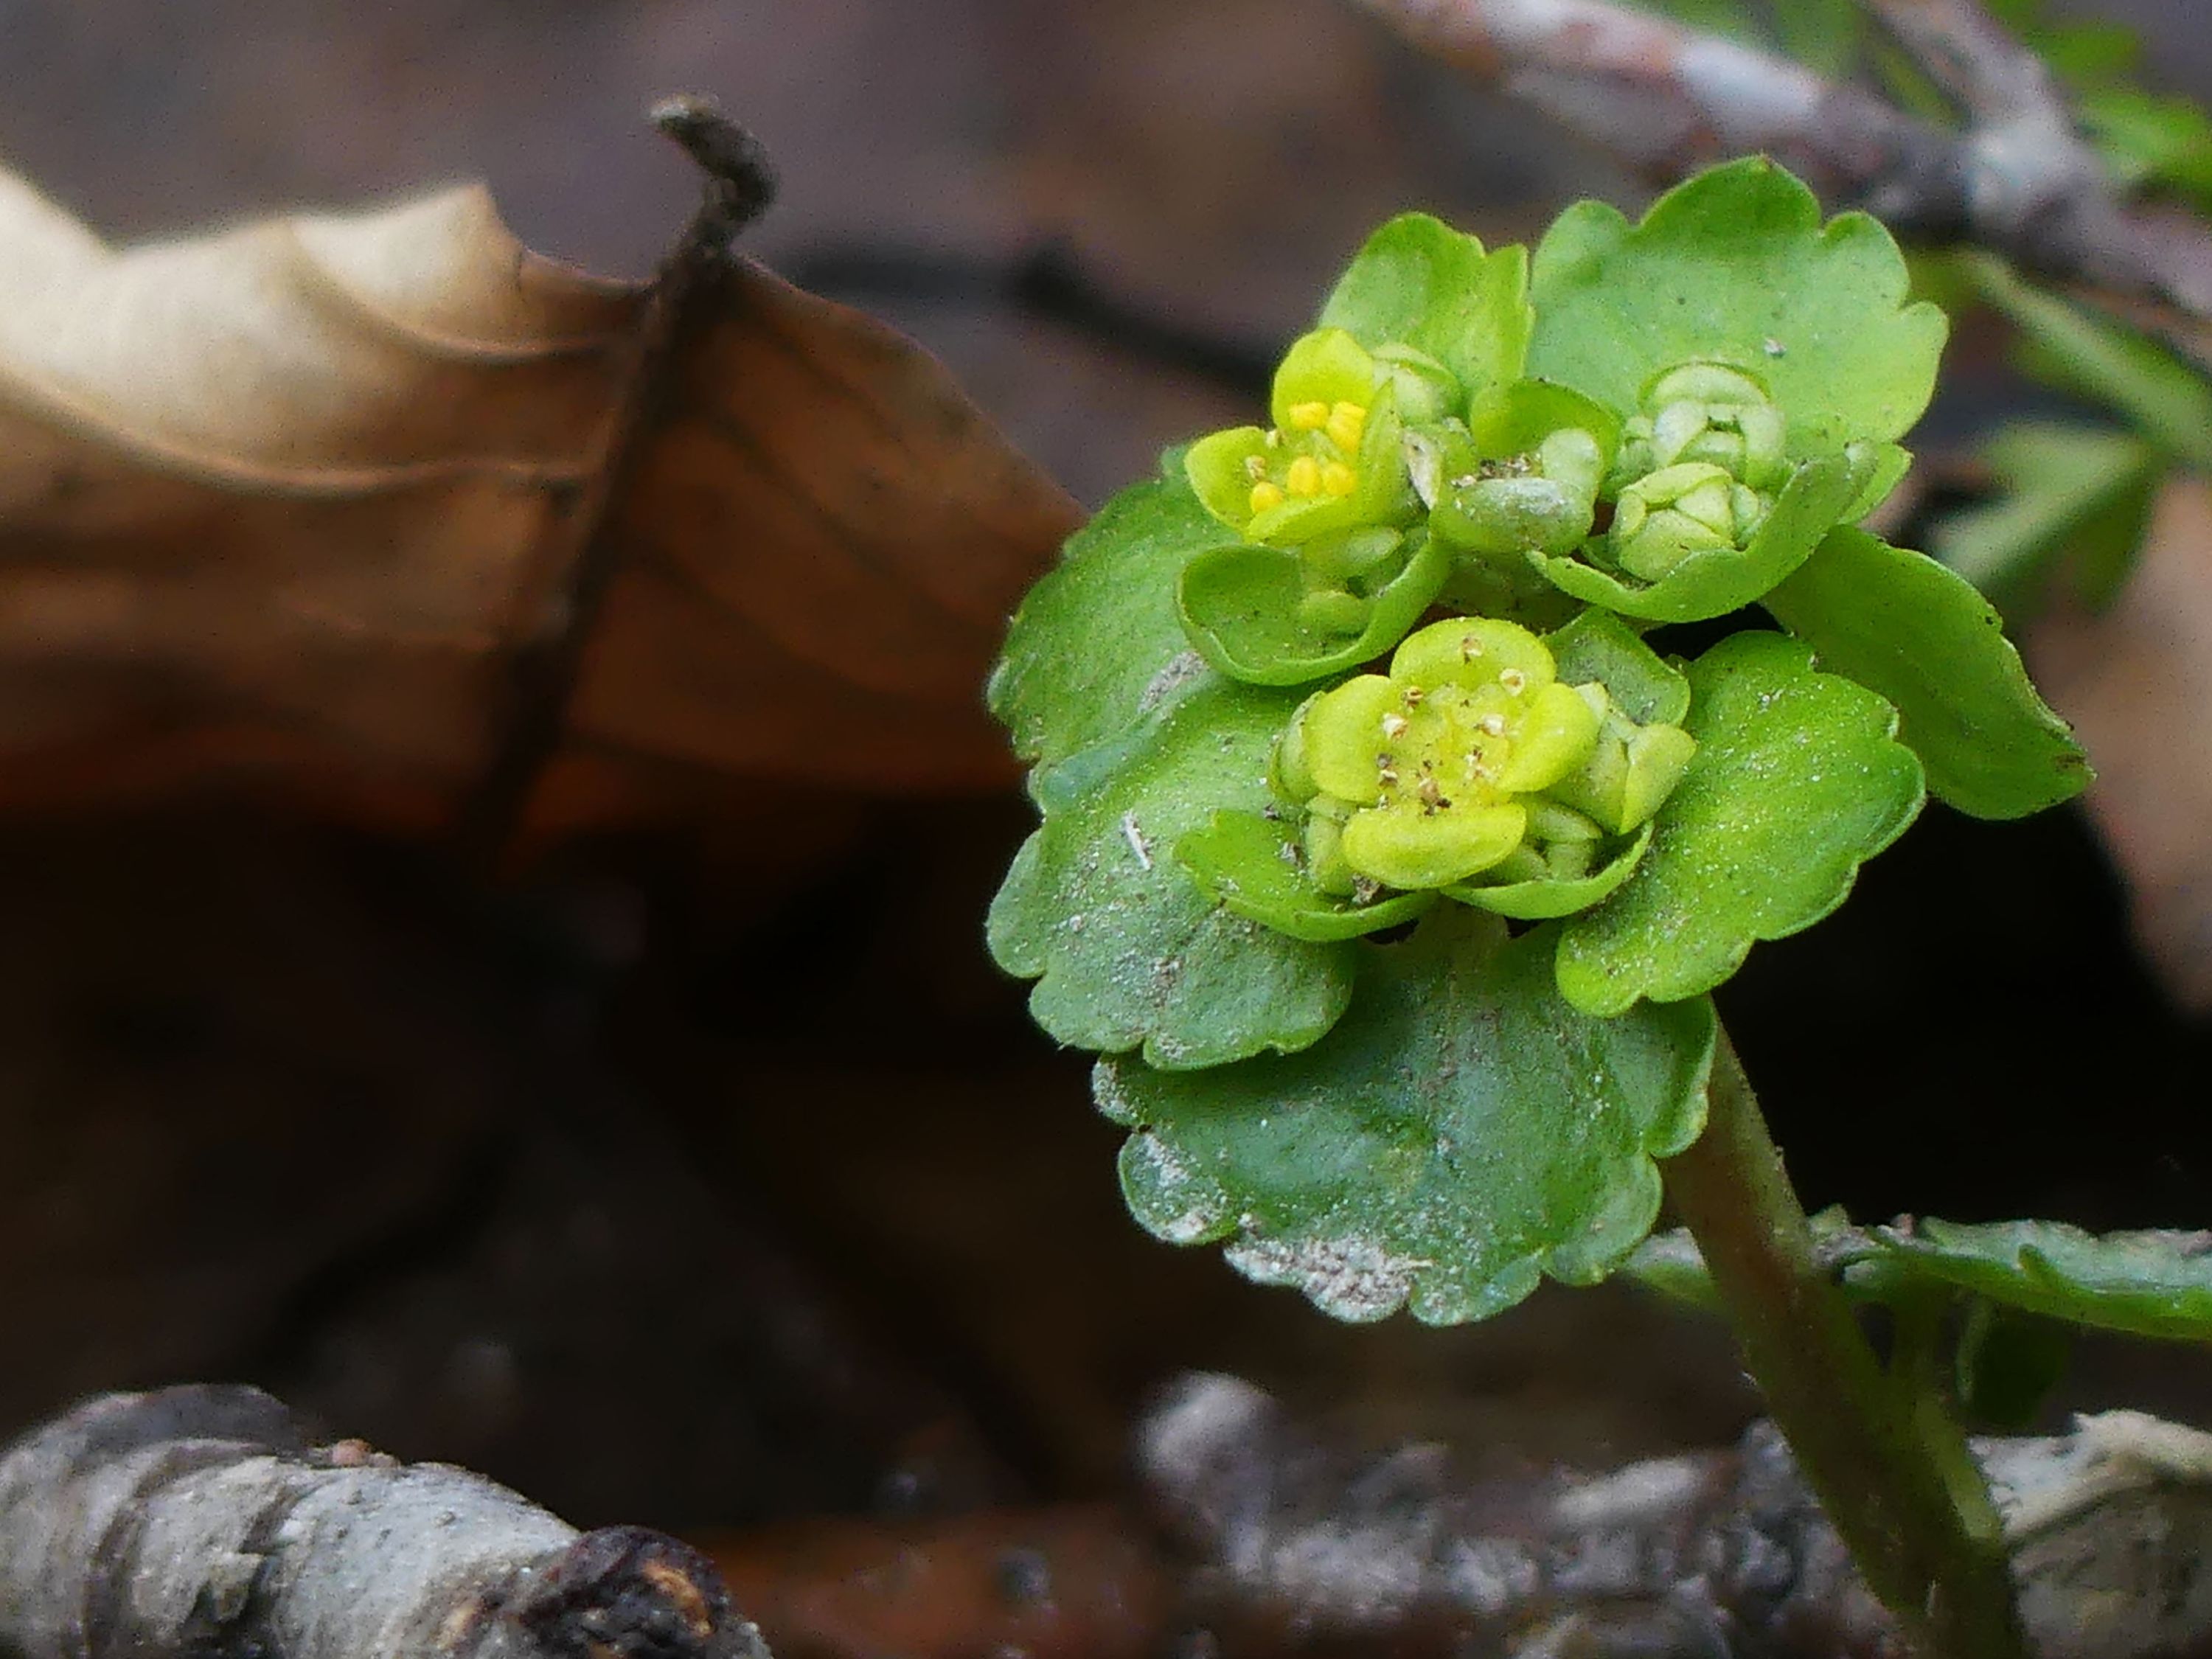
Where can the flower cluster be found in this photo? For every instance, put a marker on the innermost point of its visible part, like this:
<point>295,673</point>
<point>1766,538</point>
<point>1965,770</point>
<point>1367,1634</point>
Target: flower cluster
<point>1388,487</point>
<point>1415,659</point>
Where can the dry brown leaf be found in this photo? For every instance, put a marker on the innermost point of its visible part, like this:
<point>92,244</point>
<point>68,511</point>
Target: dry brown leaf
<point>2136,681</point>
<point>388,513</point>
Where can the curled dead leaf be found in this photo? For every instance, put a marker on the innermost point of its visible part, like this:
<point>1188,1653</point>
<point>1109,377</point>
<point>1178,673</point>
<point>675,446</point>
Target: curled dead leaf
<point>385,513</point>
<point>2135,680</point>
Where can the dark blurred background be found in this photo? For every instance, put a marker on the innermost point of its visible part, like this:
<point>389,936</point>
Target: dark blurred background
<point>675,1193</point>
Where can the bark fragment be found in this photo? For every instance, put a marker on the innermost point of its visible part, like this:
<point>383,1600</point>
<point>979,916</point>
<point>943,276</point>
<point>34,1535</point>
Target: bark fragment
<point>197,1522</point>
<point>1310,1542</point>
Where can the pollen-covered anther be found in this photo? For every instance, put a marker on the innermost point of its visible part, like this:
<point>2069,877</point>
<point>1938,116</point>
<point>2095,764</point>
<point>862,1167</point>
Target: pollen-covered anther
<point>1338,479</point>
<point>1303,477</point>
<point>1265,496</point>
<point>1310,417</point>
<point>1347,423</point>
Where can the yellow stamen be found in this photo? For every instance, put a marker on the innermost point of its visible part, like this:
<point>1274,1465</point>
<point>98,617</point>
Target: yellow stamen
<point>1304,477</point>
<point>1346,423</point>
<point>1310,417</point>
<point>1338,479</point>
<point>1265,497</point>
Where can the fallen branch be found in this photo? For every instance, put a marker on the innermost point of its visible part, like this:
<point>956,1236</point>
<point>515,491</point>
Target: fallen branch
<point>195,1520</point>
<point>1310,1542</point>
<point>1667,100</point>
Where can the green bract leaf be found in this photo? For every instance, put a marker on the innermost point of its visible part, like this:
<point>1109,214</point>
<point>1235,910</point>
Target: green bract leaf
<point>1459,1133</point>
<point>1712,583</point>
<point>1249,863</point>
<point>1245,609</point>
<point>1097,644</point>
<point>1420,282</point>
<point>1735,266</point>
<point>1797,781</point>
<point>1598,646</point>
<point>2080,496</point>
<point>1902,624</point>
<point>2148,1284</point>
<point>1546,899</point>
<point>1127,948</point>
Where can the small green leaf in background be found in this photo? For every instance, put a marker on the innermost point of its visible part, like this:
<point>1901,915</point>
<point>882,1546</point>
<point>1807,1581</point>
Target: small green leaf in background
<point>1824,35</point>
<point>1126,947</point>
<point>2103,359</point>
<point>2151,141</point>
<point>1902,624</point>
<point>1797,781</point>
<point>1097,644</point>
<point>2146,1284</point>
<point>1735,265</point>
<point>2075,500</point>
<point>1417,281</point>
<point>2006,1364</point>
<point>1461,1132</point>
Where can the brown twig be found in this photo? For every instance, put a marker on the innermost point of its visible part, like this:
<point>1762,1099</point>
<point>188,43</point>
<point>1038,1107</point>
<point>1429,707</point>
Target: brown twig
<point>1667,99</point>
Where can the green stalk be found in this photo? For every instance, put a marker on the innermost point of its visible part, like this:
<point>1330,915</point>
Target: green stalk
<point>1858,1438</point>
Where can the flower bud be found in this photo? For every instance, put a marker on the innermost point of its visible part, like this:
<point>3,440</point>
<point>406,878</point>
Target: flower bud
<point>1664,516</point>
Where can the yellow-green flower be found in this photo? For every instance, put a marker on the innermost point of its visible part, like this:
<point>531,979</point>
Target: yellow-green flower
<point>1415,779</point>
<point>1331,462</point>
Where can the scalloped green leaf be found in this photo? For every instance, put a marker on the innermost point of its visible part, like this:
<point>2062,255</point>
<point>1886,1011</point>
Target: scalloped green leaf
<point>2154,1283</point>
<point>2146,1283</point>
<point>1798,780</point>
<point>1671,1263</point>
<point>1127,949</point>
<point>1459,1134</point>
<point>1097,644</point>
<point>1735,264</point>
<point>1902,625</point>
<point>1417,281</point>
<point>1708,585</point>
<point>1548,899</point>
<point>1240,606</point>
<point>1248,861</point>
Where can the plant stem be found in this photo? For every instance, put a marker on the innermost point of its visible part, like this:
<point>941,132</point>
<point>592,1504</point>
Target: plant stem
<point>1856,1436</point>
